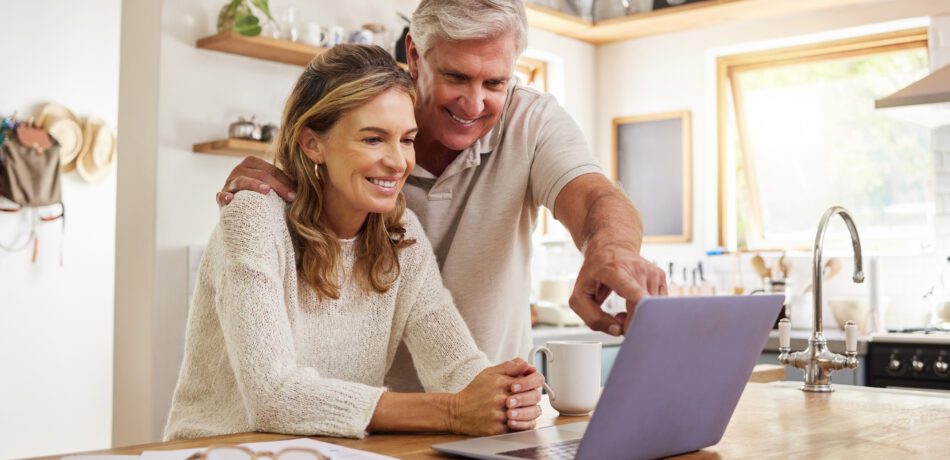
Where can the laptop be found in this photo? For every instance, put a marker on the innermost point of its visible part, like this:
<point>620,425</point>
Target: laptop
<point>673,388</point>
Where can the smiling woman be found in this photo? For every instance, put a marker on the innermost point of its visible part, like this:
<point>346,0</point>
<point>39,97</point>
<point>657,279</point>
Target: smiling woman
<point>340,150</point>
<point>298,310</point>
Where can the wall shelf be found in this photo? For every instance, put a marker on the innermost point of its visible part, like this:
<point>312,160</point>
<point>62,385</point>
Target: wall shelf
<point>266,48</point>
<point>673,19</point>
<point>259,47</point>
<point>235,147</point>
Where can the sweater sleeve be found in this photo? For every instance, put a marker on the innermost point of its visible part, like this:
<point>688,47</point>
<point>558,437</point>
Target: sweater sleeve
<point>443,350</point>
<point>279,396</point>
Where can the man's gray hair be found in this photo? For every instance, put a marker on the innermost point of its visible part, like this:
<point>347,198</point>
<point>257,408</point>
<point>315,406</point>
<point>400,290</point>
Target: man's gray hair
<point>459,20</point>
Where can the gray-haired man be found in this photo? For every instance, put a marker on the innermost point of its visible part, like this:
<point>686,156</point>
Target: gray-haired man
<point>490,152</point>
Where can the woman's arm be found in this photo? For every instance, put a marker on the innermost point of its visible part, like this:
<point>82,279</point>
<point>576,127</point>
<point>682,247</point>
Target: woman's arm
<point>278,395</point>
<point>488,399</point>
<point>483,408</point>
<point>406,412</point>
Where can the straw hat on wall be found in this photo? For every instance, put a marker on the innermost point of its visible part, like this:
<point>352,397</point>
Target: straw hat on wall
<point>63,126</point>
<point>98,150</point>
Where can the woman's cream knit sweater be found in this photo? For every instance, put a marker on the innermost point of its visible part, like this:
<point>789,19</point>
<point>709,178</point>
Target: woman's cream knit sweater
<point>263,354</point>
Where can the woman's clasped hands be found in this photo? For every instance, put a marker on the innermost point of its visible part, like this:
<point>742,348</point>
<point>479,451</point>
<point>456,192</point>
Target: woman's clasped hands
<point>500,399</point>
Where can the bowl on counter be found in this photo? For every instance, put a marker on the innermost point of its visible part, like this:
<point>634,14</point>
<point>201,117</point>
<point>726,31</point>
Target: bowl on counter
<point>849,308</point>
<point>854,308</point>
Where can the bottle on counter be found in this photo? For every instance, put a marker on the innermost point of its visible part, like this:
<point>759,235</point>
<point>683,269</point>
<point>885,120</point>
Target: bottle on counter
<point>673,288</point>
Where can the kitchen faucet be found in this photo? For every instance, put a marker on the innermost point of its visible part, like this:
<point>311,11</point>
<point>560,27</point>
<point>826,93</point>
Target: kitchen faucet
<point>817,361</point>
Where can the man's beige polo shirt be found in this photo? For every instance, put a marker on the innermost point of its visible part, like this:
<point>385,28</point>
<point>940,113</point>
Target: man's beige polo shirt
<point>480,214</point>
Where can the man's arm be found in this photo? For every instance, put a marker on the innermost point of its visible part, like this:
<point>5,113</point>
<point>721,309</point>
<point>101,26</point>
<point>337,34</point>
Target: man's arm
<point>606,227</point>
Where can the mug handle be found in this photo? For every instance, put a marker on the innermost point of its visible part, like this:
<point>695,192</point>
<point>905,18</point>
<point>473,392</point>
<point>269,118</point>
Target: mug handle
<point>549,357</point>
<point>324,37</point>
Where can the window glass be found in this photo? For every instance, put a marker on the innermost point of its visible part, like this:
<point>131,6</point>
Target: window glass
<point>804,135</point>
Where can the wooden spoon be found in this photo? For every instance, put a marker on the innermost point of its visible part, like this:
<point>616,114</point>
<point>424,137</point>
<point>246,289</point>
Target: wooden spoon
<point>783,266</point>
<point>830,270</point>
<point>759,264</point>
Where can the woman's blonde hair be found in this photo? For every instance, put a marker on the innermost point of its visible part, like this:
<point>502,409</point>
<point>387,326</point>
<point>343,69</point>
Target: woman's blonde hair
<point>335,82</point>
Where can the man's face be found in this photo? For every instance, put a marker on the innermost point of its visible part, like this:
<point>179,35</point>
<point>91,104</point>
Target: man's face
<point>462,87</point>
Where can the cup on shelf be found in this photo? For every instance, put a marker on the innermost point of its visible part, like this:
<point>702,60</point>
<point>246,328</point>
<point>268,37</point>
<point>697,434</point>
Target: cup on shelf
<point>289,28</point>
<point>271,30</point>
<point>315,35</point>
<point>361,37</point>
<point>335,36</point>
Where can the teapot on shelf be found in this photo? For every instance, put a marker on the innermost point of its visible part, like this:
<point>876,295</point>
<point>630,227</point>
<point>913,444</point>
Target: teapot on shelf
<point>251,130</point>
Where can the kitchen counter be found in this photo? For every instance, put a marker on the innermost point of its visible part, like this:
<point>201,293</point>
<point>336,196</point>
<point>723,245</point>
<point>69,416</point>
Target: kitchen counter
<point>773,420</point>
<point>542,334</point>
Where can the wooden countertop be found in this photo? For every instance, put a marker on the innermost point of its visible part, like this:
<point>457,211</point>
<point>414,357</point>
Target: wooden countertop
<point>772,420</point>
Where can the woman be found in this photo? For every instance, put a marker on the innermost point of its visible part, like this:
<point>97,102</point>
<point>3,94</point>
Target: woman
<point>299,310</point>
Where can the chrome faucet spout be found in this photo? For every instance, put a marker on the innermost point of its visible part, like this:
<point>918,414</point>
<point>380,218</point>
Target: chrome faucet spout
<point>817,360</point>
<point>858,276</point>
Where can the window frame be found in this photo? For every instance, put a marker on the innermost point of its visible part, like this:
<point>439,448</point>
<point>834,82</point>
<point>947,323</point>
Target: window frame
<point>726,66</point>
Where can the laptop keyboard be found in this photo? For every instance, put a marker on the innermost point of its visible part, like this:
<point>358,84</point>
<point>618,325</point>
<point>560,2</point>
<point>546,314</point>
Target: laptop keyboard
<point>557,451</point>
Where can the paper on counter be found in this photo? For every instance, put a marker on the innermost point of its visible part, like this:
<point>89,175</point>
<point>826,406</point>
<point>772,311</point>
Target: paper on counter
<point>333,451</point>
<point>101,457</point>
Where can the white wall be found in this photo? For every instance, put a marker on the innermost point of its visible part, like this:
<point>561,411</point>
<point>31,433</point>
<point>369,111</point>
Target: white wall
<point>571,70</point>
<point>676,72</point>
<point>56,322</point>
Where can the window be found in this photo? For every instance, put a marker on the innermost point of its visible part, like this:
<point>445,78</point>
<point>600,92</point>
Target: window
<point>798,133</point>
<point>533,73</point>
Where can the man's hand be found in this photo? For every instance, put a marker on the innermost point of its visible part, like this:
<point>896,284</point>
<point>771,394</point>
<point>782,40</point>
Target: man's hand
<point>258,175</point>
<point>607,228</point>
<point>612,266</point>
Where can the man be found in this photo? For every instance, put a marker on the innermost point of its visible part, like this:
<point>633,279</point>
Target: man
<point>490,152</point>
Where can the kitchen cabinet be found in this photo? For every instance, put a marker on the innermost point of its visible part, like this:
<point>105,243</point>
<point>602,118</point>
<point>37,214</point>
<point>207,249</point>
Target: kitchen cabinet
<point>608,357</point>
<point>680,18</point>
<point>769,355</point>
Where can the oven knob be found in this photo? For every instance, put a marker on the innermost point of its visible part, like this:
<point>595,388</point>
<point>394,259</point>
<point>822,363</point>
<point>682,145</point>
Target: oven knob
<point>917,365</point>
<point>894,365</point>
<point>940,367</point>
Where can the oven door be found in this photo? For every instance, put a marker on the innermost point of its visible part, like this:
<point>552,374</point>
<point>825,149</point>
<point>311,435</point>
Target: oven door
<point>907,366</point>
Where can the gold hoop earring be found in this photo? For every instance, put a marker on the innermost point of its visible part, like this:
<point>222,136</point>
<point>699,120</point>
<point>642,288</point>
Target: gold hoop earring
<point>316,170</point>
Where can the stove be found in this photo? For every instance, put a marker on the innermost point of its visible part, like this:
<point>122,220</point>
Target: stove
<point>909,358</point>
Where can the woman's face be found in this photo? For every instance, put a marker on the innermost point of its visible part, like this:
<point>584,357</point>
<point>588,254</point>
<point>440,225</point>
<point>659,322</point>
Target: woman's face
<point>368,155</point>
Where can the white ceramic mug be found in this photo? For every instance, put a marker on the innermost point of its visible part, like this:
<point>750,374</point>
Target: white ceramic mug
<point>361,37</point>
<point>314,35</point>
<point>336,35</point>
<point>573,375</point>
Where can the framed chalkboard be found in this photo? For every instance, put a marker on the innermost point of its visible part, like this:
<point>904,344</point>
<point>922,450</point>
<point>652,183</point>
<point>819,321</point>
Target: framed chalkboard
<point>652,164</point>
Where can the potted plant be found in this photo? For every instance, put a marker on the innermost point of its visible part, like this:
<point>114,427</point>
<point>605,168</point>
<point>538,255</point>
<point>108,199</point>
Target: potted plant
<point>238,15</point>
